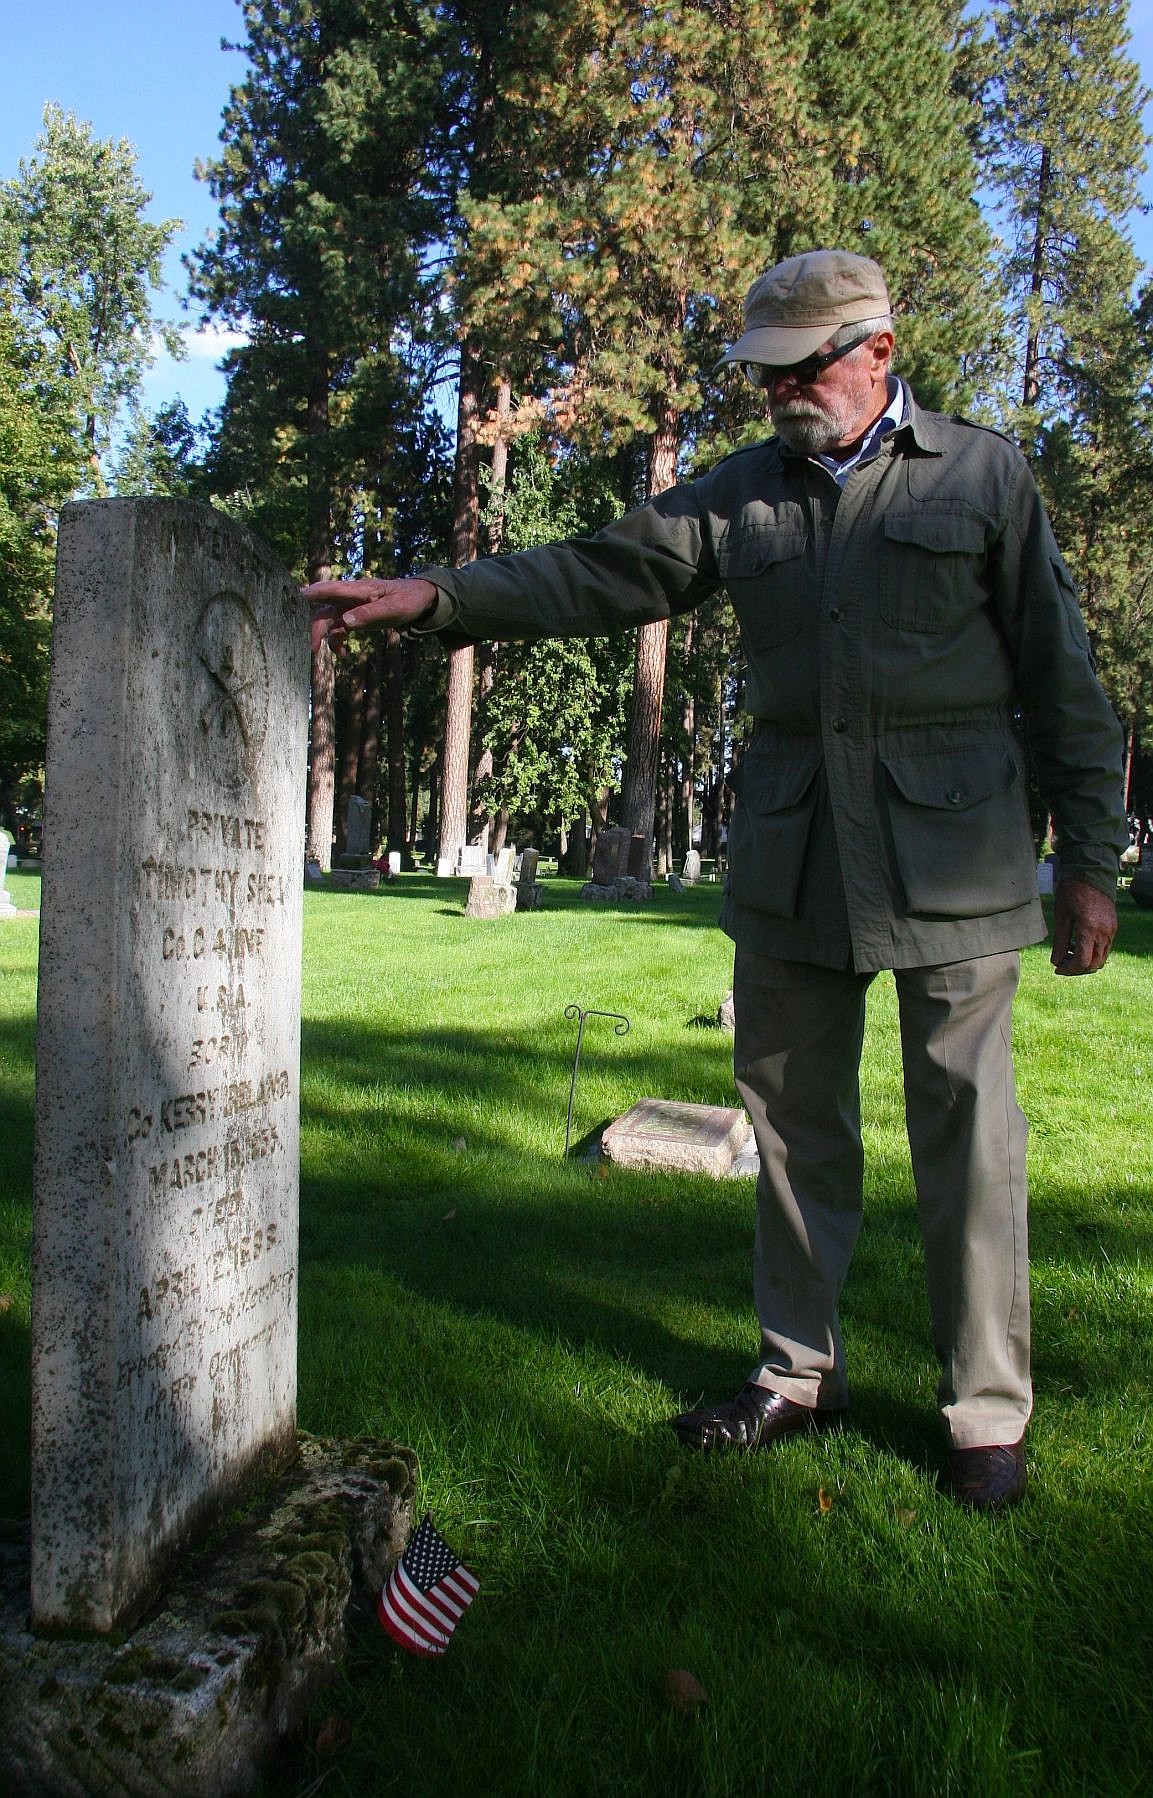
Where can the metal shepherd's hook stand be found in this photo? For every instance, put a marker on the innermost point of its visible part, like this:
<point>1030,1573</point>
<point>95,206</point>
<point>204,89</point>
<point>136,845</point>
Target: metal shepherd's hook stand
<point>577,1011</point>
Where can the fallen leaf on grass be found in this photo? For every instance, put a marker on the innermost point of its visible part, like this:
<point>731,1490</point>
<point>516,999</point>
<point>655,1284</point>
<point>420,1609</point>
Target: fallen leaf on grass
<point>460,1142</point>
<point>334,1734</point>
<point>684,1690</point>
<point>1072,1315</point>
<point>824,1501</point>
<point>904,1514</point>
<point>6,1301</point>
<point>448,1216</point>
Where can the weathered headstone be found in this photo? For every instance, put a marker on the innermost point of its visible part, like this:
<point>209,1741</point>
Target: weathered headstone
<point>688,1139</point>
<point>394,860</point>
<point>165,1233</point>
<point>358,827</point>
<point>489,898</point>
<point>639,863</point>
<point>355,880</point>
<point>472,859</point>
<point>502,863</point>
<point>610,857</point>
<point>529,891</point>
<point>7,903</point>
<point>692,868</point>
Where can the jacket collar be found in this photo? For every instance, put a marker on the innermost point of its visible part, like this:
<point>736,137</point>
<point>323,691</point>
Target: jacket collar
<point>927,429</point>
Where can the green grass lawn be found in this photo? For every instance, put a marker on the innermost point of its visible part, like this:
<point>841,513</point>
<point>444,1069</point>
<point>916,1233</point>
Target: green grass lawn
<point>528,1325</point>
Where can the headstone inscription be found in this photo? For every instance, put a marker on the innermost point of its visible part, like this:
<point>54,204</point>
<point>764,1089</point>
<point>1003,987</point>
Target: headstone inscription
<point>7,903</point>
<point>165,1229</point>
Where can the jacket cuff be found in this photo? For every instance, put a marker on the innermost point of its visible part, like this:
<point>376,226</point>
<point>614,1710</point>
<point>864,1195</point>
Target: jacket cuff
<point>445,613</point>
<point>1094,863</point>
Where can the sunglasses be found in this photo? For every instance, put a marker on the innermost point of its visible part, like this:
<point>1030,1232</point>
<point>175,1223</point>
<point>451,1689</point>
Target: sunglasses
<point>765,374</point>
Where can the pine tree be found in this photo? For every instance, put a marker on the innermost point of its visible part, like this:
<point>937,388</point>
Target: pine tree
<point>318,259</point>
<point>1065,150</point>
<point>79,271</point>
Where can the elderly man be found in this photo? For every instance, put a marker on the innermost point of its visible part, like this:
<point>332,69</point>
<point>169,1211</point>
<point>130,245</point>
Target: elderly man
<point>906,618</point>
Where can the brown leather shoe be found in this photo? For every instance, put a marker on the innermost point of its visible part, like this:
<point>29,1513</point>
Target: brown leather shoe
<point>988,1479</point>
<point>756,1418</point>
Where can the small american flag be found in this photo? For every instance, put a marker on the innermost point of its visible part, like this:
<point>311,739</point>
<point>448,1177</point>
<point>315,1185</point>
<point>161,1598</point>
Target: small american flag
<point>426,1594</point>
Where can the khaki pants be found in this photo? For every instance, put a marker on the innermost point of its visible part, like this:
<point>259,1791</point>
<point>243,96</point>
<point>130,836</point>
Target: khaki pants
<point>797,1051</point>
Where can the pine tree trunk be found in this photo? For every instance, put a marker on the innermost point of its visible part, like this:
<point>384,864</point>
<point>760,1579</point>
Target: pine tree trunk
<point>349,735</point>
<point>639,799</point>
<point>1031,389</point>
<point>482,773</point>
<point>322,748</point>
<point>369,767</point>
<point>396,839</point>
<point>461,662</point>
<point>689,723</point>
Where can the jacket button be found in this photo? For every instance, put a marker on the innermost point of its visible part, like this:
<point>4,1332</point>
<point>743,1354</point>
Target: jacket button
<point>836,614</point>
<point>954,797</point>
<point>840,724</point>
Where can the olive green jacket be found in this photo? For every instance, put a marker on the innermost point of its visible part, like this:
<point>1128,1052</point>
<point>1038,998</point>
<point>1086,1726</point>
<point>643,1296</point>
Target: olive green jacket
<point>900,636</point>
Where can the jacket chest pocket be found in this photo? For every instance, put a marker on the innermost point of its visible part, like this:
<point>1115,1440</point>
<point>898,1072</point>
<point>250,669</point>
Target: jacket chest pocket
<point>764,576</point>
<point>932,568</point>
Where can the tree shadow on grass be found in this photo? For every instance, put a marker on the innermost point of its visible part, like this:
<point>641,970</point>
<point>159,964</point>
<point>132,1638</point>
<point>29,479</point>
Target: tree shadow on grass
<point>651,1268</point>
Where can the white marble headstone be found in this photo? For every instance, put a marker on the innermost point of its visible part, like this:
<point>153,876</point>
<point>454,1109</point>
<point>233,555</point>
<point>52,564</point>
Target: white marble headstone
<point>165,1232</point>
<point>7,903</point>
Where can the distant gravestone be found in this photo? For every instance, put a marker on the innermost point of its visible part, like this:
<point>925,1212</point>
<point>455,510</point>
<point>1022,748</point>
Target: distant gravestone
<point>639,863</point>
<point>529,891</point>
<point>165,1231</point>
<point>502,863</point>
<point>689,1139</point>
<point>358,827</point>
<point>472,859</point>
<point>692,868</point>
<point>488,898</point>
<point>610,857</point>
<point>7,903</point>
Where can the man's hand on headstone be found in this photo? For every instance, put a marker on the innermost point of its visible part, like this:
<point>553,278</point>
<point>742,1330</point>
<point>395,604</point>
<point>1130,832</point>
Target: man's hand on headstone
<point>343,606</point>
<point>1084,925</point>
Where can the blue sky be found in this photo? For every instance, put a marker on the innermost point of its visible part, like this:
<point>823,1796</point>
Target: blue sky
<point>153,71</point>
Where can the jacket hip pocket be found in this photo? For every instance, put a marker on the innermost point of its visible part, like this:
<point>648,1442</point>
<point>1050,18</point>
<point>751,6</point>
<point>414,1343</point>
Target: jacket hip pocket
<point>960,832</point>
<point>769,835</point>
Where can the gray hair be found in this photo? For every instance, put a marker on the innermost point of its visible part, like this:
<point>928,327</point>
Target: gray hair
<point>861,327</point>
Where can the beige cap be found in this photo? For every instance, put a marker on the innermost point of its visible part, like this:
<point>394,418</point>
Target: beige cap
<point>791,310</point>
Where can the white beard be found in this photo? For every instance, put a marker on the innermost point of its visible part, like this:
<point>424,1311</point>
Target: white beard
<point>809,428</point>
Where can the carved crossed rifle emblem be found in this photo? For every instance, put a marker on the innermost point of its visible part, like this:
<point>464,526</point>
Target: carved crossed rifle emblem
<point>225,703</point>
